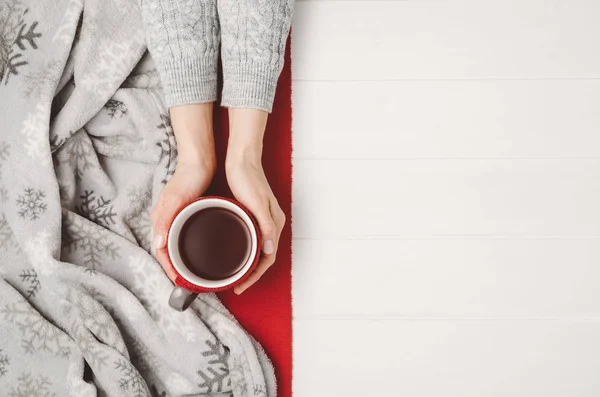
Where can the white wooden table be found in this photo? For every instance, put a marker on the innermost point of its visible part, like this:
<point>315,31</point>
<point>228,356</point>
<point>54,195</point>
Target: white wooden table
<point>447,198</point>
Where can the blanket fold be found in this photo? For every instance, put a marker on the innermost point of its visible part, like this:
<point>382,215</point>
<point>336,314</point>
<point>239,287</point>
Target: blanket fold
<point>86,146</point>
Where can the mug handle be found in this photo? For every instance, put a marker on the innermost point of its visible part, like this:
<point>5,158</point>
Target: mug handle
<point>181,298</point>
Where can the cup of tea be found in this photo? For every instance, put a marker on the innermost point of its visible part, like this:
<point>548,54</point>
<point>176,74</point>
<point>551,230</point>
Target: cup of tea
<point>213,244</point>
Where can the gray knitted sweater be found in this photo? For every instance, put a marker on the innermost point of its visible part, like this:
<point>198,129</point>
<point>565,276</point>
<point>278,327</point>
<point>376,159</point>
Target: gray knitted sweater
<point>184,37</point>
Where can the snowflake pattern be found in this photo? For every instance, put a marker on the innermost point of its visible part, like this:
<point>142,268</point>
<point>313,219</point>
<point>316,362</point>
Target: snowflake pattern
<point>142,357</point>
<point>80,235</point>
<point>38,253</point>
<point>152,290</point>
<point>30,36</point>
<point>32,386</point>
<point>7,239</point>
<point>89,347</point>
<point>16,38</point>
<point>65,31</point>
<point>31,203</point>
<point>141,227</point>
<point>115,108</point>
<point>131,380</point>
<point>168,147</point>
<point>112,66</point>
<point>216,377</point>
<point>148,80</point>
<point>40,83</point>
<point>239,367</point>
<point>30,277</point>
<point>79,151</point>
<point>114,145</point>
<point>37,334</point>
<point>94,324</point>
<point>35,130</point>
<point>91,325</point>
<point>97,209</point>
<point>139,219</point>
<point>4,363</point>
<point>11,19</point>
<point>178,385</point>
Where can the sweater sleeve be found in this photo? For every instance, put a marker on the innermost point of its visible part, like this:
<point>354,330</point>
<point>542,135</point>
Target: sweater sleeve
<point>183,38</point>
<point>253,39</point>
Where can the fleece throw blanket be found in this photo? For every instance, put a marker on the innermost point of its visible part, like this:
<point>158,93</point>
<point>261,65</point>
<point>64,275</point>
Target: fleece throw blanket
<point>85,148</point>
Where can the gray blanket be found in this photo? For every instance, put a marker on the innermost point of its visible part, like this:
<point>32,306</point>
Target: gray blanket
<point>85,148</point>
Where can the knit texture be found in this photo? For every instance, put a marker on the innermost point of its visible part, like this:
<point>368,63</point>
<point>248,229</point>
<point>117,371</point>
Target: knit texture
<point>184,37</point>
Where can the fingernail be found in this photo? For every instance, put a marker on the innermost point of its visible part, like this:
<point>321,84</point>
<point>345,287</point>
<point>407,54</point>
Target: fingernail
<point>159,242</point>
<point>238,290</point>
<point>269,247</point>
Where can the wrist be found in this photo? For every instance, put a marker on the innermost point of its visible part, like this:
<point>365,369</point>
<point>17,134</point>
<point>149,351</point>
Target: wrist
<point>197,148</point>
<point>247,129</point>
<point>193,128</point>
<point>204,159</point>
<point>244,151</point>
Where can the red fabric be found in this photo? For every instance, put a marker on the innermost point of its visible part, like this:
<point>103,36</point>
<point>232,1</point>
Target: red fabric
<point>265,309</point>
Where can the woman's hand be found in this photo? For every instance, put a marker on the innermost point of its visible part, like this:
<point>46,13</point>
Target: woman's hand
<point>249,184</point>
<point>196,164</point>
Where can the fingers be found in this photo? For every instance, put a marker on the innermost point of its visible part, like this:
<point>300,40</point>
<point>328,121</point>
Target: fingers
<point>167,206</point>
<point>162,215</point>
<point>270,219</point>
<point>163,258</point>
<point>188,183</point>
<point>266,225</point>
<point>262,267</point>
<point>279,220</point>
<point>270,229</point>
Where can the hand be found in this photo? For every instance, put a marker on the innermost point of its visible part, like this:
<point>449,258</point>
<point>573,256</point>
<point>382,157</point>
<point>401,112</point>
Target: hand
<point>250,187</point>
<point>195,170</point>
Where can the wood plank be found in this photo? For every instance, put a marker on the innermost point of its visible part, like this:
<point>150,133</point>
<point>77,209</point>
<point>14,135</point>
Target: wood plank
<point>429,119</point>
<point>355,358</point>
<point>440,198</point>
<point>463,39</point>
<point>508,278</point>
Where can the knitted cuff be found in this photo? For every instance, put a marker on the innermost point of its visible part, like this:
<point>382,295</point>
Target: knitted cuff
<point>249,85</point>
<point>189,81</point>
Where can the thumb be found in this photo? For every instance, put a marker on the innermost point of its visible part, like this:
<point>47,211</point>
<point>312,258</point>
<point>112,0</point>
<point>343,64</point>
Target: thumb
<point>266,225</point>
<point>162,216</point>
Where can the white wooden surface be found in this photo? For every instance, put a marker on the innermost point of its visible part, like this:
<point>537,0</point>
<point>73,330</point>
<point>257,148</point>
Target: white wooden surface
<point>446,198</point>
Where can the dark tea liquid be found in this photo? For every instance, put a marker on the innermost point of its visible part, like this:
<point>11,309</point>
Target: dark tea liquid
<point>214,243</point>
